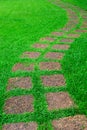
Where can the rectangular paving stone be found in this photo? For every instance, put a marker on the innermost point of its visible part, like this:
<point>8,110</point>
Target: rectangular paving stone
<point>30,55</point>
<point>84,25</point>
<point>77,122</point>
<point>73,16</point>
<point>22,67</point>
<point>73,35</point>
<point>40,45</point>
<point>58,100</point>
<point>66,29</point>
<point>58,33</point>
<point>50,66</point>
<point>66,40</point>
<point>19,104</point>
<point>74,21</point>
<point>18,82</point>
<point>69,25</point>
<point>56,80</point>
<point>70,11</point>
<point>85,20</point>
<point>49,39</point>
<point>84,16</point>
<point>61,47</point>
<point>20,126</point>
<point>54,55</point>
<point>81,31</point>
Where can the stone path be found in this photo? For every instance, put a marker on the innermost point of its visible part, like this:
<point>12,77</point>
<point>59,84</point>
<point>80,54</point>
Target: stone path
<point>47,57</point>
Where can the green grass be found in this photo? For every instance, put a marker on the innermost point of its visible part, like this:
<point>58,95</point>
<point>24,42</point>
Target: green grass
<point>81,3</point>
<point>75,72</point>
<point>21,25</point>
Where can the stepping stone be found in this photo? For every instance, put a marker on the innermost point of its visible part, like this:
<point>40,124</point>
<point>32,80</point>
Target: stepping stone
<point>81,31</point>
<point>61,47</point>
<point>74,21</point>
<point>20,126</point>
<point>67,40</point>
<point>31,55</point>
<point>84,16</point>
<point>72,35</point>
<point>66,29</point>
<point>54,55</point>
<point>19,104</point>
<point>70,12</point>
<point>73,16</point>
<point>57,34</point>
<point>78,122</point>
<point>84,23</point>
<point>56,80</point>
<point>85,20</point>
<point>71,24</point>
<point>41,46</point>
<point>50,39</point>
<point>83,26</point>
<point>50,66</point>
<point>58,100</point>
<point>23,83</point>
<point>22,67</point>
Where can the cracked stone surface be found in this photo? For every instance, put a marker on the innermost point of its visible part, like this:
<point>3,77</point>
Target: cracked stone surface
<point>19,104</point>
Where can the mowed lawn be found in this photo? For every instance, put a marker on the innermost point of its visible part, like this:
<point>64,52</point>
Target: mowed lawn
<point>75,65</point>
<point>22,23</point>
<point>79,3</point>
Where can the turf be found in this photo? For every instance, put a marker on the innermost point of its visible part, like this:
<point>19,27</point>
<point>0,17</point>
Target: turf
<point>80,3</point>
<point>75,72</point>
<point>21,25</point>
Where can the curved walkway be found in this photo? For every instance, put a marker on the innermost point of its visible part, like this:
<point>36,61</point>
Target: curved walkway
<point>43,80</point>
